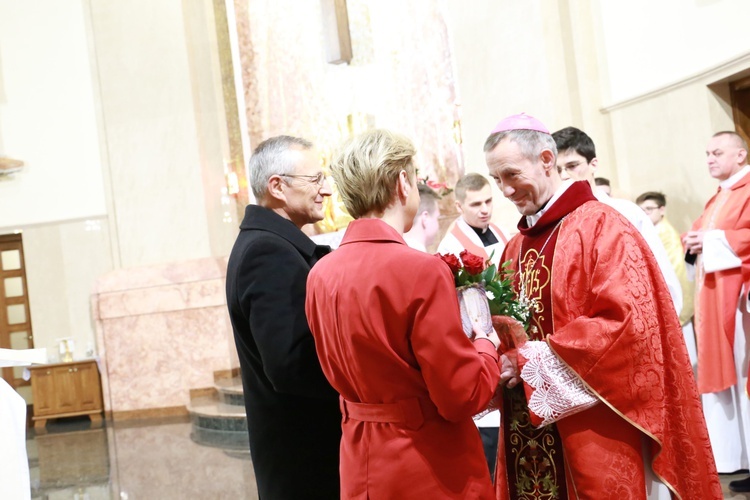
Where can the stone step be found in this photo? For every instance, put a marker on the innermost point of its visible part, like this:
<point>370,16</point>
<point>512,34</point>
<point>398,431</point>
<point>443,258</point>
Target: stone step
<point>234,443</point>
<point>210,413</point>
<point>230,391</point>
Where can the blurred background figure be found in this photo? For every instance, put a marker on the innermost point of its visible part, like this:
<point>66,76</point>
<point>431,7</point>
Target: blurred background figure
<point>602,184</point>
<point>654,204</point>
<point>576,159</point>
<point>425,225</point>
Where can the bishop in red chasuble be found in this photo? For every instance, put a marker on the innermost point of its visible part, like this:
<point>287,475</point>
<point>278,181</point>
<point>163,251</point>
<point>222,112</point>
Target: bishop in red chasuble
<point>608,407</point>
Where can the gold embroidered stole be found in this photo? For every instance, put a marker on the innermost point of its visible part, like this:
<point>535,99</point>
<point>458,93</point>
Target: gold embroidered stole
<point>534,457</point>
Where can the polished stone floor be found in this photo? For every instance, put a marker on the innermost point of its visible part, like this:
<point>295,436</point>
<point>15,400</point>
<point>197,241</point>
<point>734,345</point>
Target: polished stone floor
<point>133,460</point>
<point>728,494</point>
<point>144,460</point>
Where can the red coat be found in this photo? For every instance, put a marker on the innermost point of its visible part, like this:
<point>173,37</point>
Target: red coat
<point>387,329</point>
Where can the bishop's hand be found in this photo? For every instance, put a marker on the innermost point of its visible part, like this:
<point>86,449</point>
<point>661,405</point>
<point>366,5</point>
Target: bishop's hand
<point>509,373</point>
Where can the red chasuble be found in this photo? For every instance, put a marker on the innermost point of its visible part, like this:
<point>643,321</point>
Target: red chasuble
<point>717,293</point>
<point>606,312</point>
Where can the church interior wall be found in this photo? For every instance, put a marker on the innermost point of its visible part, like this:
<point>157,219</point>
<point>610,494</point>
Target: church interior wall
<point>116,110</point>
<point>652,44</point>
<point>47,115</point>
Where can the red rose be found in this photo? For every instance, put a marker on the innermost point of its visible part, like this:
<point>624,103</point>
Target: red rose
<point>452,262</point>
<point>474,264</point>
<point>437,186</point>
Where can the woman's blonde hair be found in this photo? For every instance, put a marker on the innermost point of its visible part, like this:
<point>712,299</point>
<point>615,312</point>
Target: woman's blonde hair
<point>367,168</point>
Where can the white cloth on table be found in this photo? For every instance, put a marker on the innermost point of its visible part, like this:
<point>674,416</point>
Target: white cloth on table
<point>14,464</point>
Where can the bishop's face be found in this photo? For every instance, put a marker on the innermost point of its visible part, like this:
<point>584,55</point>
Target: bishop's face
<point>528,183</point>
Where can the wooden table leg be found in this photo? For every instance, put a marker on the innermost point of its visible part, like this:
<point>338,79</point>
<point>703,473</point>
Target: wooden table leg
<point>96,420</point>
<point>40,426</point>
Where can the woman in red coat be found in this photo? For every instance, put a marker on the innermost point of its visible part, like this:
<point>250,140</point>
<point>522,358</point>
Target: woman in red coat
<point>388,333</point>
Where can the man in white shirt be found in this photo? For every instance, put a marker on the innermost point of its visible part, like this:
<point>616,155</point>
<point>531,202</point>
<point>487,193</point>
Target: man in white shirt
<point>425,226</point>
<point>576,159</point>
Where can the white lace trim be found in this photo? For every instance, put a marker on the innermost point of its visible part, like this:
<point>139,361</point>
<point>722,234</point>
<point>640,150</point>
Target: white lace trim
<point>558,392</point>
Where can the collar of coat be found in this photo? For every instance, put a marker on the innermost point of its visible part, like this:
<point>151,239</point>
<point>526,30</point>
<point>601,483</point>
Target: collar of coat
<point>371,230</point>
<point>262,219</point>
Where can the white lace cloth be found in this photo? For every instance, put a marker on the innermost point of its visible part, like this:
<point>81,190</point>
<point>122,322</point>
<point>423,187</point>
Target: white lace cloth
<point>558,391</point>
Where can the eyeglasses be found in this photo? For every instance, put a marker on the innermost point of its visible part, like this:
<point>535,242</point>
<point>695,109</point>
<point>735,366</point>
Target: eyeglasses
<point>648,210</point>
<point>318,179</point>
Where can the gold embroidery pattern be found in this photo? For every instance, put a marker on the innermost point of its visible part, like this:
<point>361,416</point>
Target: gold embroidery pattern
<point>533,456</point>
<point>535,278</point>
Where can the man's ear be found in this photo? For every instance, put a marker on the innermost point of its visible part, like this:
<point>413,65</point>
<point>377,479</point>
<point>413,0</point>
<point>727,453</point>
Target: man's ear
<point>275,188</point>
<point>741,156</point>
<point>423,219</point>
<point>594,164</point>
<point>548,160</point>
<point>458,207</point>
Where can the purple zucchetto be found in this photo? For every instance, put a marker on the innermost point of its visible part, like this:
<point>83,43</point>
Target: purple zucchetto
<point>520,122</point>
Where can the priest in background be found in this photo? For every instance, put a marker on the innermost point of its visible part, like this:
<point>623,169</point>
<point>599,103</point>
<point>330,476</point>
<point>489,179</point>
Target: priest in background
<point>720,239</point>
<point>654,205</point>
<point>608,407</point>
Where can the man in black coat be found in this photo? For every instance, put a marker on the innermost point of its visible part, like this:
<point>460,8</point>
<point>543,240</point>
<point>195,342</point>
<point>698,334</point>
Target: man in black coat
<point>293,413</point>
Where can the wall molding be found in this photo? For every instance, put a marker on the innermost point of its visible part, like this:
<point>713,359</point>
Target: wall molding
<point>714,74</point>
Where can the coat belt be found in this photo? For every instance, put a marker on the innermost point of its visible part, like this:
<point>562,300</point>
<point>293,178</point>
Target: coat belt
<point>410,413</point>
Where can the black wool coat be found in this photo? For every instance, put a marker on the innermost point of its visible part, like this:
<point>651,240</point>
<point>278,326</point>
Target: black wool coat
<point>293,413</point>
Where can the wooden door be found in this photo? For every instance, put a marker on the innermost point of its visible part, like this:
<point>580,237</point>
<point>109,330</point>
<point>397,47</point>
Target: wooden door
<point>44,391</point>
<point>15,317</point>
<point>89,389</point>
<point>66,389</point>
<point>740,91</point>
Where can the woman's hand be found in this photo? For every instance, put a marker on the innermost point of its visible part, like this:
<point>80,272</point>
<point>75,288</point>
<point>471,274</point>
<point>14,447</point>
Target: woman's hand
<point>481,334</point>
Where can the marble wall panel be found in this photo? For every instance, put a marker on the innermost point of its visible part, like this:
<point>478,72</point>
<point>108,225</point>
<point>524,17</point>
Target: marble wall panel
<point>161,332</point>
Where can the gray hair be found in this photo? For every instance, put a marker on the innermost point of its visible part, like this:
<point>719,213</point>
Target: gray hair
<point>531,142</point>
<point>741,143</point>
<point>271,158</point>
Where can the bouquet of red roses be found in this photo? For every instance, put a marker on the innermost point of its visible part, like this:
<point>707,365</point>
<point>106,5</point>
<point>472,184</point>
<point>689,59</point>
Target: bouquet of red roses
<point>486,298</point>
<point>471,271</point>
